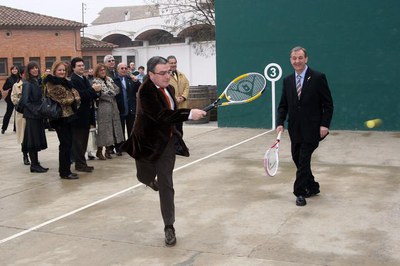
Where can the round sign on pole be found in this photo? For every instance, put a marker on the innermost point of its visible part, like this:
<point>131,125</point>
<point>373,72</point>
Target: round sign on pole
<point>273,72</point>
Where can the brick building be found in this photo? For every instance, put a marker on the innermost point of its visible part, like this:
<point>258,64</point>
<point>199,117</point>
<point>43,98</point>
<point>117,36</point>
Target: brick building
<point>36,37</point>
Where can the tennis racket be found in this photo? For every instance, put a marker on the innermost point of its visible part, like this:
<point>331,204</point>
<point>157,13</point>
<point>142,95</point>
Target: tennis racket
<point>271,157</point>
<point>243,89</point>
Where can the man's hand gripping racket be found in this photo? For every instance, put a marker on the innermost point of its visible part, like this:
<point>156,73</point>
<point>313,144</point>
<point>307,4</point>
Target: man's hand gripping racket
<point>271,157</point>
<point>243,89</point>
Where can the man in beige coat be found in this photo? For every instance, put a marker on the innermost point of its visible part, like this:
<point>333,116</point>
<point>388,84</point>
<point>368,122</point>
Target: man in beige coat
<point>181,84</point>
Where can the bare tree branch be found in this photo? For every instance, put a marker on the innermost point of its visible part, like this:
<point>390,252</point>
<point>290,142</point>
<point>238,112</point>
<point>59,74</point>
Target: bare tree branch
<point>181,15</point>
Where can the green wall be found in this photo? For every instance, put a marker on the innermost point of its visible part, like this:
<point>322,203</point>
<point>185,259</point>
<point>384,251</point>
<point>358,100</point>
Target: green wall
<point>355,43</point>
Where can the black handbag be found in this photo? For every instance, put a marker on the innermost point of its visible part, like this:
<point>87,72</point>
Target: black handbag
<point>19,108</point>
<point>50,109</point>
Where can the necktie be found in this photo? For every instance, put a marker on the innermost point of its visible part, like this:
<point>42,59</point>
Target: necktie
<point>123,82</point>
<point>298,86</point>
<point>166,97</point>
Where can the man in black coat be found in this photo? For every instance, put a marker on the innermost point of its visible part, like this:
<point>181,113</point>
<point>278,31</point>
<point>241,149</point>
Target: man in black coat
<point>307,101</point>
<point>81,126</point>
<point>154,140</point>
<point>126,99</point>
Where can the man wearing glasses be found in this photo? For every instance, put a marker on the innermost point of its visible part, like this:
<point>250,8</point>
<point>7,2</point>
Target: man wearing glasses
<point>154,141</point>
<point>126,99</point>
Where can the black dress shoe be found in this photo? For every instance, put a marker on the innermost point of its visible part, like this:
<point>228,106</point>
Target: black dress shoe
<point>70,176</point>
<point>91,156</point>
<point>310,193</point>
<point>74,174</point>
<point>44,168</point>
<point>170,238</point>
<point>119,153</point>
<point>154,185</point>
<point>2,131</point>
<point>90,167</point>
<point>37,169</point>
<point>301,201</point>
<point>84,169</point>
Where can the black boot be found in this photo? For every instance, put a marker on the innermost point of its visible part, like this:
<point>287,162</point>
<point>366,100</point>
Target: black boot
<point>35,166</point>
<point>26,158</point>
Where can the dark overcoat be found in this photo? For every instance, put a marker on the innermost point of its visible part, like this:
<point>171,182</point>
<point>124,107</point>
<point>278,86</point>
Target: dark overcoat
<point>155,124</point>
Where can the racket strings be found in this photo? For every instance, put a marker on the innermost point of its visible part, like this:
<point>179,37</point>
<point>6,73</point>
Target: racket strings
<point>246,88</point>
<point>272,161</point>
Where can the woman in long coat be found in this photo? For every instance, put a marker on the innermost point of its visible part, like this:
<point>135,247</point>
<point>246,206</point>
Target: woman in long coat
<point>34,136</point>
<point>59,89</point>
<point>109,129</point>
<point>20,121</point>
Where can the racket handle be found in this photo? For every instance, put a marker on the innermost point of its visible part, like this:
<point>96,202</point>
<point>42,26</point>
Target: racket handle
<point>208,108</point>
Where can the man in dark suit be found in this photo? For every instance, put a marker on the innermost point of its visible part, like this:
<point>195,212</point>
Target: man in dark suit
<point>126,99</point>
<point>155,141</point>
<point>81,126</point>
<point>307,101</point>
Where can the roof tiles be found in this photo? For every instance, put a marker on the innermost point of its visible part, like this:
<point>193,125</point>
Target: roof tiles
<point>11,17</point>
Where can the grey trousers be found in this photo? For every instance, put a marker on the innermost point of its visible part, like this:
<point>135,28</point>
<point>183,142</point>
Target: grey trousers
<point>162,168</point>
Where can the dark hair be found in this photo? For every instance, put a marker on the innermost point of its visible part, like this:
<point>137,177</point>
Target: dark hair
<point>154,61</point>
<point>141,67</point>
<point>171,57</point>
<point>21,70</point>
<point>14,66</point>
<point>75,60</point>
<point>28,75</point>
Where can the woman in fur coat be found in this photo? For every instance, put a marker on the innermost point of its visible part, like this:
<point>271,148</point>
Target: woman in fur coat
<point>59,89</point>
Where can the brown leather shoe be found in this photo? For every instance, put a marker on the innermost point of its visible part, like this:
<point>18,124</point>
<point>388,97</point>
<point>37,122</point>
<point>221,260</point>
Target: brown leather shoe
<point>108,155</point>
<point>99,154</point>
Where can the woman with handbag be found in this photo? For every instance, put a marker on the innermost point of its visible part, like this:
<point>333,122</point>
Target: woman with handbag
<point>34,135</point>
<point>20,121</point>
<point>109,129</point>
<point>60,90</point>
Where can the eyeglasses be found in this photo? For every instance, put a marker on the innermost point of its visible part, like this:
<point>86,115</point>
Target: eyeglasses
<point>112,60</point>
<point>123,68</point>
<point>163,73</point>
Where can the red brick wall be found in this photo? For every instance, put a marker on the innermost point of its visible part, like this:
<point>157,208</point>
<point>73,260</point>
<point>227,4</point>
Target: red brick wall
<point>38,43</point>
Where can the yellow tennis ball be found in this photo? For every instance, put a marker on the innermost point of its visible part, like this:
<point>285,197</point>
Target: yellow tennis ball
<point>373,123</point>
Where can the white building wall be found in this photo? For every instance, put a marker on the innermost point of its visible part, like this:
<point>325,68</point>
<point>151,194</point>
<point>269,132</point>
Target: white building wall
<point>200,70</point>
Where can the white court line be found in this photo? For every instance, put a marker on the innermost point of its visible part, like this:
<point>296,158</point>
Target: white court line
<point>26,231</point>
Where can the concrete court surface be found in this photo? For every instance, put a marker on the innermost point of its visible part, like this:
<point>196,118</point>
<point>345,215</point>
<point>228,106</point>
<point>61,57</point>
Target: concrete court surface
<point>228,212</point>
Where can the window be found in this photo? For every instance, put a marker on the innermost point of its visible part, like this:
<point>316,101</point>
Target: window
<point>100,59</point>
<point>3,67</point>
<point>118,59</point>
<point>88,62</point>
<point>49,61</point>
<point>18,61</point>
<point>130,58</point>
<point>65,58</point>
<point>35,59</point>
